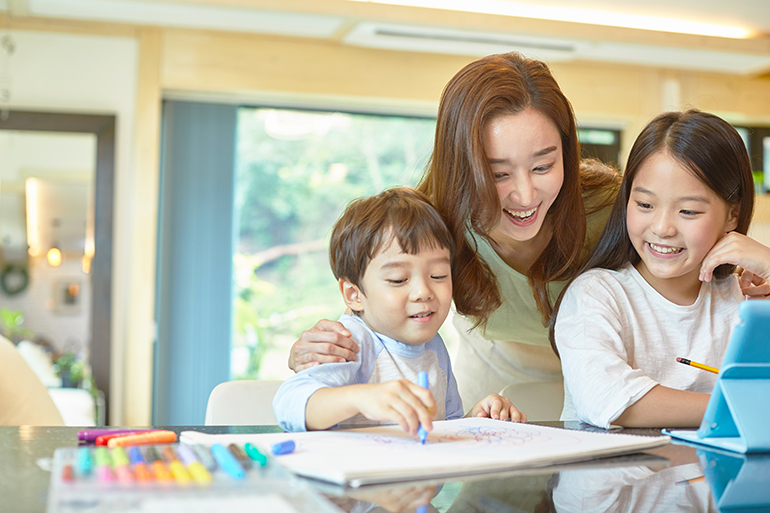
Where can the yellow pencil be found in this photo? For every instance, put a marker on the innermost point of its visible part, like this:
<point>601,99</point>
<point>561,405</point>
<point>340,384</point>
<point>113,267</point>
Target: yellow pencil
<point>698,365</point>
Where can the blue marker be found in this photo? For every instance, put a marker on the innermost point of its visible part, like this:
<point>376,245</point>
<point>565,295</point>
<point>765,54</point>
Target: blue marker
<point>85,461</point>
<point>227,461</point>
<point>422,380</point>
<point>283,447</point>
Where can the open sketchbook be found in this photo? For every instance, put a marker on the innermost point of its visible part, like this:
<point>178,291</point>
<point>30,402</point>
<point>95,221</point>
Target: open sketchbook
<point>384,454</point>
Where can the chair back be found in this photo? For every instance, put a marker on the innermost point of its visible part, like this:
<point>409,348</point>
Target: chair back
<point>242,403</point>
<point>540,401</point>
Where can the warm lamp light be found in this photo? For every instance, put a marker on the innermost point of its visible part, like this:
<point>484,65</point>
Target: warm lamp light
<point>54,257</point>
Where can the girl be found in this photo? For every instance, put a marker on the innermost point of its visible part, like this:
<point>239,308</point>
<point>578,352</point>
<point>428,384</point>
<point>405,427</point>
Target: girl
<point>646,295</point>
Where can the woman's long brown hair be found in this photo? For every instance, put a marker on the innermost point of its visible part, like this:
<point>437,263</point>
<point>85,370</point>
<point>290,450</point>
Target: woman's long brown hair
<point>461,185</point>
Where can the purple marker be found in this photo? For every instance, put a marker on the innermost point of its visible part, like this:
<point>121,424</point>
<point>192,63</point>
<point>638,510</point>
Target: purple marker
<point>91,435</point>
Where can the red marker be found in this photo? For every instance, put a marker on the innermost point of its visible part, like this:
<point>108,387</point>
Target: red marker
<point>152,437</point>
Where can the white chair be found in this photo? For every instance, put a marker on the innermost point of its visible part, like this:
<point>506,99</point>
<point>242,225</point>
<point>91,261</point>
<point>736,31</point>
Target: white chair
<point>242,403</point>
<point>540,401</point>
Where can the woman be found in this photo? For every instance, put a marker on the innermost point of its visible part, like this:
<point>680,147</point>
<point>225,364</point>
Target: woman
<point>506,177</point>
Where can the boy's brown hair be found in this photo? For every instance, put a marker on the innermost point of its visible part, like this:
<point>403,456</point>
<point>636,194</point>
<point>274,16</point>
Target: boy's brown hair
<point>400,214</point>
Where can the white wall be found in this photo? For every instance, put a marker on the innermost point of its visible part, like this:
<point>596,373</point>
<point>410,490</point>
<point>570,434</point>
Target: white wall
<point>97,75</point>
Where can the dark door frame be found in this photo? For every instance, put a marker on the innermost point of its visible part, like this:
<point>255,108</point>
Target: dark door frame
<point>103,126</point>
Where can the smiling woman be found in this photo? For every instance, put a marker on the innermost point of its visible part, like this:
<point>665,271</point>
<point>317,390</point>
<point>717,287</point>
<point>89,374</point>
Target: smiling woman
<point>506,177</point>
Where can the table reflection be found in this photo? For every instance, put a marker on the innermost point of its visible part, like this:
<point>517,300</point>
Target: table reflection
<point>738,481</point>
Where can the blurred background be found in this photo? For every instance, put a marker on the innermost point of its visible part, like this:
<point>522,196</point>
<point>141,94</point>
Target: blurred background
<point>170,170</point>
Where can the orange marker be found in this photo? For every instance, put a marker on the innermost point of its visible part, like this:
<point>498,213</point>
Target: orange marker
<point>153,437</point>
<point>159,469</point>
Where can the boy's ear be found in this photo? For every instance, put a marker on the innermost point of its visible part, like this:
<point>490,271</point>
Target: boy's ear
<point>732,220</point>
<point>351,294</point>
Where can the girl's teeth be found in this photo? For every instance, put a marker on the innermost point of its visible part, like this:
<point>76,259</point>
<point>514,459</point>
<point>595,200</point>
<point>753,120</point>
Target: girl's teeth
<point>663,250</point>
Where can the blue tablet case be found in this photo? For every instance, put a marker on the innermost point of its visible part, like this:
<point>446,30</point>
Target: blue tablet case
<point>737,417</point>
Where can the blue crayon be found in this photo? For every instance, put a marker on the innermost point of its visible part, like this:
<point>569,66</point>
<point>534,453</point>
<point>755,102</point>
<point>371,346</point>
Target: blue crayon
<point>422,380</point>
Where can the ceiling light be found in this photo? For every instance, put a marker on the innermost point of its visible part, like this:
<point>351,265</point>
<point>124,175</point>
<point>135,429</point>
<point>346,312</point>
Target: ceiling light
<point>54,257</point>
<point>576,15</point>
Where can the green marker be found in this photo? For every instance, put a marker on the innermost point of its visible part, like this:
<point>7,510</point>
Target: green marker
<point>255,454</point>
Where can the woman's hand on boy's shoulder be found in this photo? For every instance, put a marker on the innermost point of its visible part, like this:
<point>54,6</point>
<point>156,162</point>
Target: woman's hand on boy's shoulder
<point>498,407</point>
<point>751,256</point>
<point>326,342</point>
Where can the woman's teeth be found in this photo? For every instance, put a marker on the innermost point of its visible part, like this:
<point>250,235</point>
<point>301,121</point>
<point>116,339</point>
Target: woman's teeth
<point>522,215</point>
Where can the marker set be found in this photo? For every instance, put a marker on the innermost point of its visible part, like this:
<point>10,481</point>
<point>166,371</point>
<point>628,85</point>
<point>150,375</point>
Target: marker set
<point>166,463</point>
<point>94,478</point>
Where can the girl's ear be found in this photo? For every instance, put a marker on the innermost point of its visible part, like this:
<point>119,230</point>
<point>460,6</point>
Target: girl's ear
<point>351,294</point>
<point>732,220</point>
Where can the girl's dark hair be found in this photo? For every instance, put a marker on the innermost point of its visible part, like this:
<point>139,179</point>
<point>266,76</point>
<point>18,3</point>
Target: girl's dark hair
<point>461,185</point>
<point>399,214</point>
<point>707,146</point>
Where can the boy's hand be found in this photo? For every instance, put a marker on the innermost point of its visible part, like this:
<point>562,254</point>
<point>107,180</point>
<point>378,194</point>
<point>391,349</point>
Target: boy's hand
<point>402,402</point>
<point>495,406</point>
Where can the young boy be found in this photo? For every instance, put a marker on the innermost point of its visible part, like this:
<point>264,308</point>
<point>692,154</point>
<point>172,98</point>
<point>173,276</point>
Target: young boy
<point>391,254</point>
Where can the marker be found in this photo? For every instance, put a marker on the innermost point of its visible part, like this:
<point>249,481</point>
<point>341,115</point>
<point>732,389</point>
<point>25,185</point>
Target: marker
<point>90,435</point>
<point>67,471</point>
<point>103,470</point>
<point>120,465</point>
<point>284,447</point>
<point>194,467</point>
<point>159,470</point>
<point>205,457</point>
<point>697,365</point>
<point>85,461</point>
<point>153,437</point>
<point>140,468</point>
<point>177,469</point>
<point>255,454</point>
<point>227,461</point>
<point>240,456</point>
<point>422,380</point>
<point>104,439</point>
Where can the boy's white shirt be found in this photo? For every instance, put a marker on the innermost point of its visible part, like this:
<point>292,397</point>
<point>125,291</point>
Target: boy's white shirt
<point>380,359</point>
<point>618,338</point>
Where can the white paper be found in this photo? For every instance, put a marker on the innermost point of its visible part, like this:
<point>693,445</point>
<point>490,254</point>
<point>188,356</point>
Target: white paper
<point>455,447</point>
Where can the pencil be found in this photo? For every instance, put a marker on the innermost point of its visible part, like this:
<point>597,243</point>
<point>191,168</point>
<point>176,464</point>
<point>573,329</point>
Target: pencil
<point>697,365</point>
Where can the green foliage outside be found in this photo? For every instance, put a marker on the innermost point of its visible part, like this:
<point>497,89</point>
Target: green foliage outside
<point>296,172</point>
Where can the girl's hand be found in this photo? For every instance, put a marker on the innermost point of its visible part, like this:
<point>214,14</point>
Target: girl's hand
<point>495,406</point>
<point>753,286</point>
<point>326,342</point>
<point>737,249</point>
<point>403,402</point>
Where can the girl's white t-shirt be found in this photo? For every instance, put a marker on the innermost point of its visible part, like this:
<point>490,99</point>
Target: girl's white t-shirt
<point>618,338</point>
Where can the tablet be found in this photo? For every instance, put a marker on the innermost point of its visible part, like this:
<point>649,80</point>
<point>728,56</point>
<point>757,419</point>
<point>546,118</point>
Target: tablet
<point>737,417</point>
